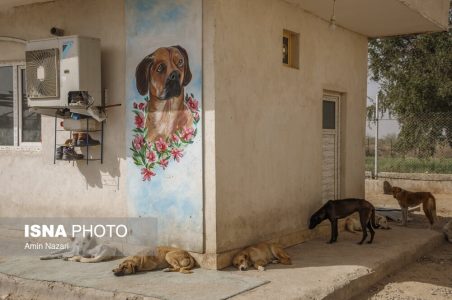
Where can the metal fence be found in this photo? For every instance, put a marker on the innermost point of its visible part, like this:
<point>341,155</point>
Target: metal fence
<point>419,143</point>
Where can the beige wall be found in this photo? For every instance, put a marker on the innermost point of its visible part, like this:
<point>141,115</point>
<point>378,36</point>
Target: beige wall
<point>262,131</point>
<point>268,118</point>
<point>31,184</point>
<point>437,11</point>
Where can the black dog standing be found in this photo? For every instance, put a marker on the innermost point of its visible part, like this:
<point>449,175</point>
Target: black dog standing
<point>338,209</point>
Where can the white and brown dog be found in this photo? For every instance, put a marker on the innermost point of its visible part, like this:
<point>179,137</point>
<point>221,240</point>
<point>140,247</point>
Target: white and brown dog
<point>85,249</point>
<point>163,75</point>
<point>258,256</point>
<point>353,224</point>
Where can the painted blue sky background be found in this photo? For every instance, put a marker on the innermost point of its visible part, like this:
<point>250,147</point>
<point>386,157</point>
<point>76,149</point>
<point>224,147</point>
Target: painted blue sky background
<point>174,195</point>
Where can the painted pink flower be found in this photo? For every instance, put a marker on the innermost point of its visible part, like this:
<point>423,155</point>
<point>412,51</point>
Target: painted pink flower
<point>164,163</point>
<point>147,174</point>
<point>175,138</point>
<point>196,116</point>
<point>187,134</point>
<point>161,145</point>
<point>177,154</point>
<point>150,155</point>
<point>193,104</point>
<point>139,121</point>
<point>138,142</point>
<point>135,105</point>
<point>142,106</point>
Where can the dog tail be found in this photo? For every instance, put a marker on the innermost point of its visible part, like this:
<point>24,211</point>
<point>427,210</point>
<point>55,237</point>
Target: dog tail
<point>372,219</point>
<point>429,208</point>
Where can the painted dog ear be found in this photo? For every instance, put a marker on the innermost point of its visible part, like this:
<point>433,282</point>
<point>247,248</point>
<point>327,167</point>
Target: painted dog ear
<point>187,72</point>
<point>142,74</point>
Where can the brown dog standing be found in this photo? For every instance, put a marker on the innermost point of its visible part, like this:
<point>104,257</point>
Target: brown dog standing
<point>408,199</point>
<point>163,75</point>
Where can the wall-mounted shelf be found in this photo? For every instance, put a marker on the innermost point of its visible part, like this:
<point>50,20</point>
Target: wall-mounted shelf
<point>70,148</point>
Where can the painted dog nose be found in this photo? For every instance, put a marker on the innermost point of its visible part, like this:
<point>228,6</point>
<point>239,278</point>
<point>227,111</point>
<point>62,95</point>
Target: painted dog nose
<point>174,75</point>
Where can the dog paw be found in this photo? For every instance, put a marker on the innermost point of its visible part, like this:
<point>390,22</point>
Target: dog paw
<point>260,268</point>
<point>275,261</point>
<point>166,270</point>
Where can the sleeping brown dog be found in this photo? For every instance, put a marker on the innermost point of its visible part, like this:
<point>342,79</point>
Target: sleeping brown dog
<point>163,75</point>
<point>260,255</point>
<point>167,258</point>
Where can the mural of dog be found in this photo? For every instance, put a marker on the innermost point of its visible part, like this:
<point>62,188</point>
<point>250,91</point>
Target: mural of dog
<point>163,75</point>
<point>260,255</point>
<point>408,199</point>
<point>167,258</point>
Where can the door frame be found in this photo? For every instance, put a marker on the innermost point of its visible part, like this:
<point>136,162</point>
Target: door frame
<point>335,97</point>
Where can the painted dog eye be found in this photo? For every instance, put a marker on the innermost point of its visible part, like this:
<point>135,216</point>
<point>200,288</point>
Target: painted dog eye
<point>160,68</point>
<point>180,63</point>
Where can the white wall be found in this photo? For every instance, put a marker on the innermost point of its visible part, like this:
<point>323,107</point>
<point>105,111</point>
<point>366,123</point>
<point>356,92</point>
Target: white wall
<point>31,184</point>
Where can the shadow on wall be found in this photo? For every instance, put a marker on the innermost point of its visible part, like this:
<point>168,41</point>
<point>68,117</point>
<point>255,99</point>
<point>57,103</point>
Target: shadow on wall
<point>108,173</point>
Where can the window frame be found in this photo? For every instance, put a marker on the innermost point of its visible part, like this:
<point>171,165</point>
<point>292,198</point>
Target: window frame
<point>18,66</point>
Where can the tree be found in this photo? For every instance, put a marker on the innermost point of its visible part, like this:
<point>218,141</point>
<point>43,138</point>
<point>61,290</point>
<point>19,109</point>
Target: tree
<point>415,74</point>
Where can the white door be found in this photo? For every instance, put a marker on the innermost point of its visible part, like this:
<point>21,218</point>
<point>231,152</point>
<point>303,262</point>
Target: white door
<point>330,148</point>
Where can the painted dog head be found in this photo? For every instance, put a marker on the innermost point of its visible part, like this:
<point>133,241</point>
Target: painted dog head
<point>163,73</point>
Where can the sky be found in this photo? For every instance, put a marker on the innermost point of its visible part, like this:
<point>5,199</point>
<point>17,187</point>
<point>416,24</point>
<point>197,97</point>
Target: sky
<point>386,126</point>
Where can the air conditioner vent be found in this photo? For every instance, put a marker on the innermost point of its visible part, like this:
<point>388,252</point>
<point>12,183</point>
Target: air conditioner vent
<point>42,69</point>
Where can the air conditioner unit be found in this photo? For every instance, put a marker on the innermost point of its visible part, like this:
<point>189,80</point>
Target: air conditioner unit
<point>62,71</point>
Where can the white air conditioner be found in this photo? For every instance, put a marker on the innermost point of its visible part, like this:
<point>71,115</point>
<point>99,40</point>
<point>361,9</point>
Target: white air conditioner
<point>60,66</point>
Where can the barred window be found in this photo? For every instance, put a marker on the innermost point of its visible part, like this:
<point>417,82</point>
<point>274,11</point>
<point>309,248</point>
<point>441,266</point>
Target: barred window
<point>18,126</point>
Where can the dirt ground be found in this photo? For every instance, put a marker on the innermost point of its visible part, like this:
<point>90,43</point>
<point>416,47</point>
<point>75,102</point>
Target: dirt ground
<point>430,277</point>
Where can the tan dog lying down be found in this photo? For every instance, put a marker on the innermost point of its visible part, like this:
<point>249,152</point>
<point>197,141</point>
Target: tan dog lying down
<point>259,256</point>
<point>353,225</point>
<point>167,258</point>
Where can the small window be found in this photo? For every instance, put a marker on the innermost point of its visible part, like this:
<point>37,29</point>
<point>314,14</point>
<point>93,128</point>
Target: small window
<point>6,106</point>
<point>290,49</point>
<point>18,126</point>
<point>329,114</point>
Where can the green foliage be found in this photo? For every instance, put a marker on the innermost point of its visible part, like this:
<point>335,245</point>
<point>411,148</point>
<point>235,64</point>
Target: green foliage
<point>415,74</point>
<point>410,165</point>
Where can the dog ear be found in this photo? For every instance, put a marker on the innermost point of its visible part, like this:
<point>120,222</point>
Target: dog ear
<point>142,75</point>
<point>187,72</point>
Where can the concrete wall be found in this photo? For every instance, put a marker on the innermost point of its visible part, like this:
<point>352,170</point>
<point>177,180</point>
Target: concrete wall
<point>416,182</point>
<point>268,118</point>
<point>31,184</point>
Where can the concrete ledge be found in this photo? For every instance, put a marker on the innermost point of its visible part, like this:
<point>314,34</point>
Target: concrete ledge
<point>343,270</point>
<point>218,261</point>
<point>319,270</point>
<point>19,288</point>
<point>435,183</point>
<point>385,268</point>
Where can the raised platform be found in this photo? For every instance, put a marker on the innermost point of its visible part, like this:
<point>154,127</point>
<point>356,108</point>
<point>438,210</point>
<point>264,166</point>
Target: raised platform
<point>319,271</point>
